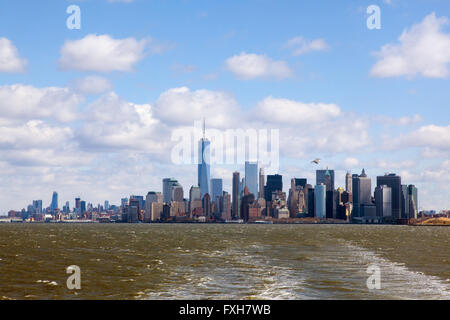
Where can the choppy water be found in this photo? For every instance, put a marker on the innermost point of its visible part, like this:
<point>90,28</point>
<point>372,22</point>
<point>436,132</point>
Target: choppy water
<point>191,261</point>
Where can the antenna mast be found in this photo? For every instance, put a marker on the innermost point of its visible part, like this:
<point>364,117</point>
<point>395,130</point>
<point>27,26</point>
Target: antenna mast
<point>204,128</point>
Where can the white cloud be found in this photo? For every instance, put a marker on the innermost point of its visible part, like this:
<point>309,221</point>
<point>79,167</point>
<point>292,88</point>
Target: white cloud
<point>301,46</point>
<point>27,102</point>
<point>181,106</point>
<point>422,50</point>
<point>252,66</point>
<point>285,111</point>
<point>113,124</point>
<point>351,163</point>
<point>33,134</point>
<point>101,53</point>
<point>384,164</point>
<point>10,61</point>
<point>430,136</point>
<point>402,121</point>
<point>92,85</point>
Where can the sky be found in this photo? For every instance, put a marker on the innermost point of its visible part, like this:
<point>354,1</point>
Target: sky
<point>90,112</point>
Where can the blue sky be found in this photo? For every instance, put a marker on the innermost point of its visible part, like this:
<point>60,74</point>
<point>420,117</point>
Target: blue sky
<point>393,113</point>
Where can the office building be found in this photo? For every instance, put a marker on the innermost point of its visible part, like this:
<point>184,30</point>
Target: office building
<point>274,183</point>
<point>326,177</point>
<point>236,195</point>
<point>383,201</point>
<point>251,177</point>
<point>54,204</point>
<point>320,201</point>
<point>394,182</point>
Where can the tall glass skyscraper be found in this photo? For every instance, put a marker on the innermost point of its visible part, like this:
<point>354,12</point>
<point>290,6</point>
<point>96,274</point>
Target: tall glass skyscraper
<point>54,204</point>
<point>203,164</point>
<point>320,200</point>
<point>216,190</point>
<point>395,183</point>
<point>251,177</point>
<point>168,185</point>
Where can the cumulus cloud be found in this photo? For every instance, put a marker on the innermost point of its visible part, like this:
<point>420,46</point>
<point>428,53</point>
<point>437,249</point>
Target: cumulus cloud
<point>431,136</point>
<point>111,123</point>
<point>10,61</point>
<point>285,111</point>
<point>102,53</point>
<point>27,102</point>
<point>33,134</point>
<point>181,106</point>
<point>252,66</point>
<point>91,85</point>
<point>424,50</point>
<point>300,45</point>
<point>351,162</point>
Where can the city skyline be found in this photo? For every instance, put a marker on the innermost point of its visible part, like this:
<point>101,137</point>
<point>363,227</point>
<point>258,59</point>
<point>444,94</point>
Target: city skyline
<point>172,192</point>
<point>98,125</point>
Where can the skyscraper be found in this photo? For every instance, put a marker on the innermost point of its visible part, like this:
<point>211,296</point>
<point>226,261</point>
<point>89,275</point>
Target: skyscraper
<point>251,177</point>
<point>362,192</point>
<point>383,201</point>
<point>326,177</point>
<point>348,182</point>
<point>236,195</point>
<point>395,182</point>
<point>216,190</point>
<point>177,193</point>
<point>274,183</point>
<point>151,197</point>
<point>204,163</point>
<point>319,200</point>
<point>261,183</point>
<point>54,204</point>
<point>168,185</point>
<point>37,206</point>
<point>413,200</point>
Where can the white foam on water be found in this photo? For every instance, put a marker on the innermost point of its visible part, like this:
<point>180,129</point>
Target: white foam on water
<point>399,282</point>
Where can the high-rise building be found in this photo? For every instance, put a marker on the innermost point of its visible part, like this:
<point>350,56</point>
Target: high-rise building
<point>54,204</point>
<point>82,207</point>
<point>106,205</point>
<point>152,197</point>
<point>362,192</point>
<point>37,206</point>
<point>326,177</point>
<point>204,164</point>
<point>383,201</point>
<point>274,183</point>
<point>177,193</point>
<point>413,201</point>
<point>331,204</point>
<point>261,183</point>
<point>168,185</point>
<point>348,182</point>
<point>226,206</point>
<point>320,200</point>
<point>206,205</point>
<point>236,195</point>
<point>394,182</point>
<point>216,190</point>
<point>247,200</point>
<point>310,201</point>
<point>195,193</point>
<point>251,177</point>
<point>404,201</point>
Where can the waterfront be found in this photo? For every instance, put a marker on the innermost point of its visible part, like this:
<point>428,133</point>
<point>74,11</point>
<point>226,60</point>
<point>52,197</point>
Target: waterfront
<point>217,261</point>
